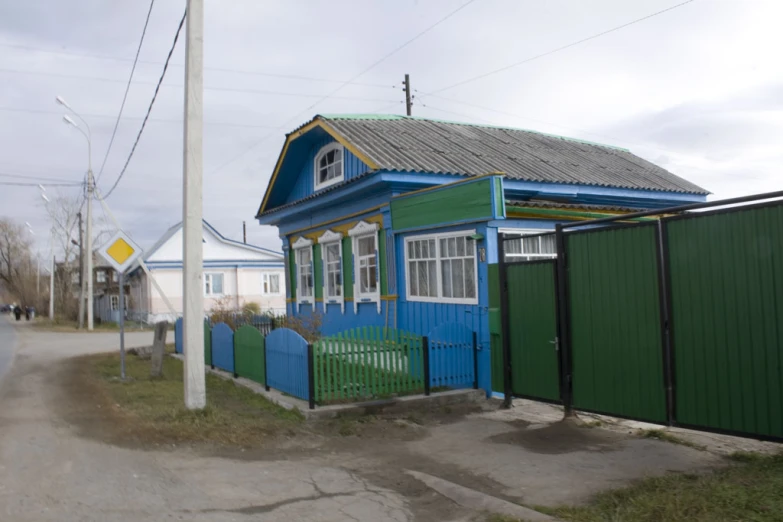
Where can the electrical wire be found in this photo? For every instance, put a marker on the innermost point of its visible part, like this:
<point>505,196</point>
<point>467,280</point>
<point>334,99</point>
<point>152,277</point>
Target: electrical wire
<point>562,48</point>
<point>344,84</point>
<point>23,184</point>
<point>152,103</point>
<point>180,86</point>
<point>216,69</point>
<point>42,180</point>
<point>127,89</point>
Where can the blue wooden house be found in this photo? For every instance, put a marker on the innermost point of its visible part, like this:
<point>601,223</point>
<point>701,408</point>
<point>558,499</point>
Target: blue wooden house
<point>393,220</point>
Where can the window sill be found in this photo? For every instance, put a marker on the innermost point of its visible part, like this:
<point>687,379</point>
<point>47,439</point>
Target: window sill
<point>442,300</point>
<point>327,184</point>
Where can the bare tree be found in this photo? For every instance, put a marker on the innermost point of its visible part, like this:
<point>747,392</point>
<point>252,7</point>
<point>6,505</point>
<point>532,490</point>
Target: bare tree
<point>16,263</point>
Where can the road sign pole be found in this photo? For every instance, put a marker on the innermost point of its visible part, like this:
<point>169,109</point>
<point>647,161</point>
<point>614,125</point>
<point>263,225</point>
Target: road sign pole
<point>121,279</point>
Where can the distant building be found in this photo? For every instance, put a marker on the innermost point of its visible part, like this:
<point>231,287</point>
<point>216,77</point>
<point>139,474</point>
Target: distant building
<point>235,274</point>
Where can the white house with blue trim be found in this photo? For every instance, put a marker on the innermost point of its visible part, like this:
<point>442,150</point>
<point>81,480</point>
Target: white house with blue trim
<point>235,273</point>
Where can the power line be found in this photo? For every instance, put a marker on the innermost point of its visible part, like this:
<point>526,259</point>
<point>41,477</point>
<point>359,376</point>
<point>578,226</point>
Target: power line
<point>354,78</point>
<point>159,120</point>
<point>43,180</point>
<point>152,102</point>
<point>553,51</point>
<point>216,69</point>
<point>127,89</point>
<point>175,85</point>
<point>23,184</point>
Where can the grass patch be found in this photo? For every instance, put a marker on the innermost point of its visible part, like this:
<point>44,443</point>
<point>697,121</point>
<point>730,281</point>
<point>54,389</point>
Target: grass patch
<point>593,424</point>
<point>668,437</point>
<point>153,409</point>
<point>750,491</point>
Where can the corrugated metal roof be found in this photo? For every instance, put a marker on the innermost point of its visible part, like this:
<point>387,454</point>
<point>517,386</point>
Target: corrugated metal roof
<point>409,144</point>
<point>572,206</point>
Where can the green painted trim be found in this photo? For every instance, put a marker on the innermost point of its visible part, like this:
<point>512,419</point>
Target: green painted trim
<point>500,202</point>
<point>393,117</point>
<point>292,273</point>
<point>461,202</point>
<point>318,272</point>
<point>347,268</point>
<point>382,261</point>
<point>512,210</point>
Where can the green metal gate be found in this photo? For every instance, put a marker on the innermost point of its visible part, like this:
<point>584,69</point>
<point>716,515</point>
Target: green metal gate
<point>530,300</point>
<point>615,322</point>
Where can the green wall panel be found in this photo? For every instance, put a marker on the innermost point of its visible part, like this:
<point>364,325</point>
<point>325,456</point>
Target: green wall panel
<point>617,353</point>
<point>532,330</point>
<point>462,202</point>
<point>318,272</point>
<point>500,202</point>
<point>726,279</point>
<point>347,267</point>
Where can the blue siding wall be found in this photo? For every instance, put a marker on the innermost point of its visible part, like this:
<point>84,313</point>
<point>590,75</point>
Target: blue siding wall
<point>352,167</point>
<point>334,321</point>
<point>422,318</point>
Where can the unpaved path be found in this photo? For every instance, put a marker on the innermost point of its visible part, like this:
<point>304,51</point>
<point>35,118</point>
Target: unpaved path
<point>55,463</point>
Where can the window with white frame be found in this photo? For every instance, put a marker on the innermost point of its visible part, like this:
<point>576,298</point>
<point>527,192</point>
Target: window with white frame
<point>115,302</point>
<point>115,276</point>
<point>303,249</point>
<point>270,284</point>
<point>329,166</point>
<point>331,252</point>
<point>213,284</point>
<point>442,268</point>
<point>530,246</point>
<point>365,259</point>
<point>100,276</point>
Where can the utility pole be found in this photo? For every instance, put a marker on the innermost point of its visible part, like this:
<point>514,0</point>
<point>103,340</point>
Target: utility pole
<point>51,283</point>
<point>193,255</point>
<point>408,97</point>
<point>244,232</point>
<point>82,276</point>
<point>88,245</point>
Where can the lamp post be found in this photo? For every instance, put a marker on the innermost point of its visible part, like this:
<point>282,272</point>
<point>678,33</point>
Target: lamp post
<point>51,272</point>
<point>87,252</point>
<point>38,271</point>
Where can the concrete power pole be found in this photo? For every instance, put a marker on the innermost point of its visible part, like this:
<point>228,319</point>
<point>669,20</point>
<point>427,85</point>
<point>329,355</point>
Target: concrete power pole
<point>408,104</point>
<point>193,255</point>
<point>51,283</point>
<point>82,276</point>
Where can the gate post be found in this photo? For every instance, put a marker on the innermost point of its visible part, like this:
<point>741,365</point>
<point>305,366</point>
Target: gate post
<point>563,323</point>
<point>425,346</point>
<point>505,324</point>
<point>664,297</point>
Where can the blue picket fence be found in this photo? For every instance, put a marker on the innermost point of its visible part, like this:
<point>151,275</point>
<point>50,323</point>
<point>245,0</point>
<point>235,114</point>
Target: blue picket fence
<point>452,356</point>
<point>178,336</point>
<point>287,363</point>
<point>223,347</point>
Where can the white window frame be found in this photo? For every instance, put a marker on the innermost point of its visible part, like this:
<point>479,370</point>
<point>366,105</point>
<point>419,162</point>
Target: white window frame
<point>266,280</point>
<point>327,239</point>
<point>115,277</point>
<point>360,231</point>
<point>521,233</point>
<point>114,302</point>
<point>301,244</point>
<point>211,292</point>
<point>324,150</point>
<point>439,270</point>
<point>100,276</point>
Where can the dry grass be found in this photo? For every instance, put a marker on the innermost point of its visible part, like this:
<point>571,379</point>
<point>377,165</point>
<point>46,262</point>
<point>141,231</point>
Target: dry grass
<point>750,491</point>
<point>152,410</point>
<point>668,437</point>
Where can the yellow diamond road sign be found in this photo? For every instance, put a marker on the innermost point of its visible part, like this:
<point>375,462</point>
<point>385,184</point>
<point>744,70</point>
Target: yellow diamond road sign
<point>120,252</point>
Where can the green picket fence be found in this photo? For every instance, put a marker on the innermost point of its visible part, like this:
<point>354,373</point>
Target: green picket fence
<point>365,363</point>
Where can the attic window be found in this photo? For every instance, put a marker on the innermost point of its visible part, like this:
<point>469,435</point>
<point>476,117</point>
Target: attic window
<point>329,166</point>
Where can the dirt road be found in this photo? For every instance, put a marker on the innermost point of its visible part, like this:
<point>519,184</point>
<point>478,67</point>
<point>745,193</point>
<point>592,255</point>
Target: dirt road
<point>56,466</point>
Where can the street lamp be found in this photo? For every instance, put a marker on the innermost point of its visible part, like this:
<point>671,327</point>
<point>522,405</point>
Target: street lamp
<point>87,252</point>
<point>38,259</point>
<point>51,277</point>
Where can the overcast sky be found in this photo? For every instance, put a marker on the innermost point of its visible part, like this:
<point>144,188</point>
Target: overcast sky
<point>698,89</point>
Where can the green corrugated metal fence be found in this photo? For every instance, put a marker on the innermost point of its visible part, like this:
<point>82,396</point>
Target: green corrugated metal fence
<point>532,329</point>
<point>726,285</point>
<point>616,345</point>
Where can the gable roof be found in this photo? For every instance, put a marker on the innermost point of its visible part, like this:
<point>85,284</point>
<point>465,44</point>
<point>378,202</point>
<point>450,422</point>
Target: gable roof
<point>412,144</point>
<point>173,230</point>
<point>405,143</point>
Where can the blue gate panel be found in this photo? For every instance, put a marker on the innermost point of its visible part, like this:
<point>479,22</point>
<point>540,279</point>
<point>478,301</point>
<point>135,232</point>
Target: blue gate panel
<point>223,347</point>
<point>286,363</point>
<point>178,336</point>
<point>452,356</point>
